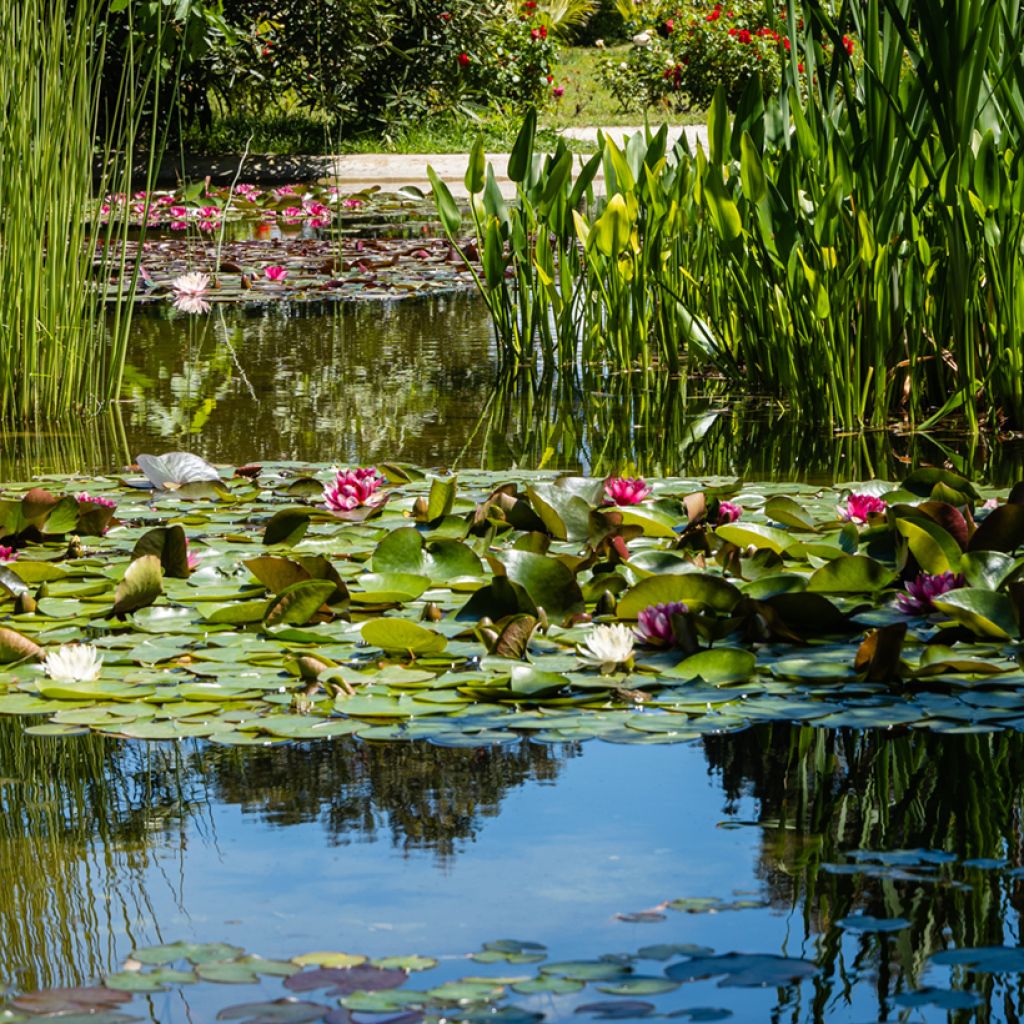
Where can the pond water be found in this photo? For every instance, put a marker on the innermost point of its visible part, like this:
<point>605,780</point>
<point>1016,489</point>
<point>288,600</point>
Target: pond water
<point>418,381</point>
<point>840,862</point>
<point>107,846</point>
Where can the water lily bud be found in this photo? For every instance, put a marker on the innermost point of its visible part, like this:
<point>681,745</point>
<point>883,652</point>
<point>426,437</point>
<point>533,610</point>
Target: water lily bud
<point>605,604</point>
<point>485,622</point>
<point>419,508</point>
<point>24,604</point>
<point>432,613</point>
<point>488,637</point>
<point>542,620</point>
<point>74,547</point>
<point>310,667</point>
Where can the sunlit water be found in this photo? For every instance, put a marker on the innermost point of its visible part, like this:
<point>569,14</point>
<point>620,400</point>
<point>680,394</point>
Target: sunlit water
<point>384,850</point>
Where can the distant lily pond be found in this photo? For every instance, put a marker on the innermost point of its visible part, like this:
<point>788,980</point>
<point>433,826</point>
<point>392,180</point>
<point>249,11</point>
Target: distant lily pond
<point>270,603</point>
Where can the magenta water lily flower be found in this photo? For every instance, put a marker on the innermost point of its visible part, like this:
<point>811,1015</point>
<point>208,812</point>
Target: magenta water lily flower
<point>189,292</point>
<point>353,488</point>
<point>728,512</point>
<point>923,589</point>
<point>654,623</point>
<point>860,506</point>
<point>85,497</point>
<point>624,490</point>
<point>7,555</point>
<point>275,274</point>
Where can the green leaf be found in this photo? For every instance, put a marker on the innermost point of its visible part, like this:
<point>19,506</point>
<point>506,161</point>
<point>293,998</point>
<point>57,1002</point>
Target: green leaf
<point>698,590</point>
<point>169,544</point>
<point>298,603</point>
<point>15,647</point>
<point>141,586</point>
<point>287,527</point>
<point>850,574</point>
<point>474,180</point>
<point>447,208</point>
<point>521,157</point>
<point>402,636</point>
<point>935,550</point>
<point>984,612</point>
<point>719,666</point>
<point>762,537</point>
<point>550,584</point>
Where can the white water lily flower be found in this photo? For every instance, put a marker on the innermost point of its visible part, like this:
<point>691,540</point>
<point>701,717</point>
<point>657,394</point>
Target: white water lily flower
<point>607,647</point>
<point>73,663</point>
<point>189,290</point>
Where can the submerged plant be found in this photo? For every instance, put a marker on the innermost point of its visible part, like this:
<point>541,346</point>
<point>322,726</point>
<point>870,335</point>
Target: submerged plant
<point>353,488</point>
<point>924,588</point>
<point>73,663</point>
<point>607,647</point>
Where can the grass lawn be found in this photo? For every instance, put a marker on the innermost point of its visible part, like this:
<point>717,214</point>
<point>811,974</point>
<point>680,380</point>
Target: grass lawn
<point>296,131</point>
<point>588,102</point>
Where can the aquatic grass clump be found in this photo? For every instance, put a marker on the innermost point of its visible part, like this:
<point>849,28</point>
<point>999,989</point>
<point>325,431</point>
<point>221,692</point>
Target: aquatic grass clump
<point>853,245</point>
<point>58,353</point>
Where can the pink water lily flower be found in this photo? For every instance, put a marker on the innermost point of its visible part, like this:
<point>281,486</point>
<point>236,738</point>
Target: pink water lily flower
<point>654,623</point>
<point>85,498</point>
<point>192,558</point>
<point>7,555</point>
<point>352,204</point>
<point>353,488</point>
<point>275,273</point>
<point>624,490</point>
<point>728,512</point>
<point>189,292</point>
<point>860,506</point>
<point>923,589</point>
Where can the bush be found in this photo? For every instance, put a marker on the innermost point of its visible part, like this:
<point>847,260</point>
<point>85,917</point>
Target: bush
<point>682,52</point>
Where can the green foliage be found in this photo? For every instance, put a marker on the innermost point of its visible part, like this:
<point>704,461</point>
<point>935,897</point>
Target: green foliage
<point>852,245</point>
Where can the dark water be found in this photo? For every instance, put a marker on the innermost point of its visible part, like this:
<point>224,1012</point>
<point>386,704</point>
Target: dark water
<point>418,381</point>
<point>383,850</point>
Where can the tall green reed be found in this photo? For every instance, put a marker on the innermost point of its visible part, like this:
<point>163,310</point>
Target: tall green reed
<point>59,353</point>
<point>852,245</point>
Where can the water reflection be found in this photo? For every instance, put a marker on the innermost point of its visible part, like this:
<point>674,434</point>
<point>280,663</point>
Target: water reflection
<point>89,827</point>
<point>831,801</point>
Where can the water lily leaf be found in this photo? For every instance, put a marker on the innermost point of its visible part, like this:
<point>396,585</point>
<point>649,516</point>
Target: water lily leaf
<point>528,681</point>
<point>237,613</point>
<point>878,657</point>
<point>693,589</point>
<point>566,515</point>
<point>343,981</point>
<point>277,1011</point>
<point>935,550</point>
<point>77,999</point>
<point>809,614</point>
<point>584,970</point>
<point>287,527</point>
<point>550,584</point>
<point>227,973</point>
<point>754,534</point>
<point>1002,530</point>
<point>441,498</point>
<point>788,512</point>
<point>983,612</point>
<point>329,959</point>
<point>141,585</point>
<point>546,984</point>
<point>984,959</point>
<point>15,647</point>
<point>668,950</point>
<point>719,665</point>
<point>867,923</point>
<point>389,588</point>
<point>405,551</point>
<point>639,985</point>
<point>946,999</point>
<point>987,570</point>
<point>170,546</point>
<point>298,603</point>
<point>403,636</point>
<point>276,573</point>
<point>744,970</point>
<point>850,574</point>
<point>405,963</point>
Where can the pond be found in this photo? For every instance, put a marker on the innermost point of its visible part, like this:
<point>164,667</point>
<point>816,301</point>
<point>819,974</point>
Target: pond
<point>849,860</point>
<point>776,872</point>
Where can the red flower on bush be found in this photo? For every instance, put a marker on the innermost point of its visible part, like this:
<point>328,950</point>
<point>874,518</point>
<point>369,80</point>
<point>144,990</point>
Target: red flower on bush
<point>848,45</point>
<point>464,59</point>
<point>714,15</point>
<point>445,16</point>
<point>744,36</point>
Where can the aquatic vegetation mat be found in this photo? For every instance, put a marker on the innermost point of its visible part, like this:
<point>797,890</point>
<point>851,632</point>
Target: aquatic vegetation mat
<point>283,602</point>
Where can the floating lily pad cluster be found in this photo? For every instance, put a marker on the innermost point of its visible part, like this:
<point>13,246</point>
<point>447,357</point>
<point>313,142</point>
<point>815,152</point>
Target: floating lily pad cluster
<point>203,207</point>
<point>331,986</point>
<point>469,611</point>
<point>297,270</point>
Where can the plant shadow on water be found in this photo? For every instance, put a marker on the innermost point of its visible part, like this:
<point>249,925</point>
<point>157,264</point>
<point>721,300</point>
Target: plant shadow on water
<point>860,857</point>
